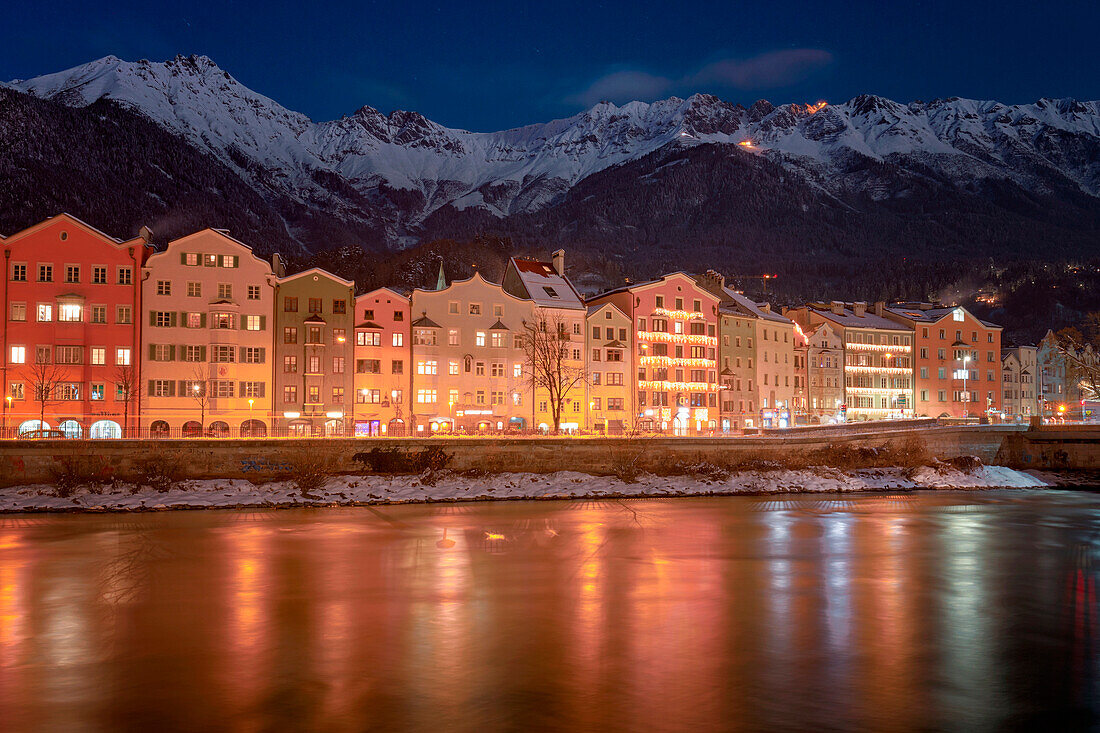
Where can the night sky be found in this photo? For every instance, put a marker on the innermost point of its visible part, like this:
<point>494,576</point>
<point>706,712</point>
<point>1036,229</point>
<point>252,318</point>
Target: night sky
<point>492,65</point>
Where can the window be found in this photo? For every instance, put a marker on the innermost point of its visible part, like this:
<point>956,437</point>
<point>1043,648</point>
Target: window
<point>397,366</point>
<point>452,307</point>
<point>45,312</point>
<point>452,368</point>
<point>614,403</point>
<point>368,396</point>
<point>337,365</point>
<point>162,319</point>
<point>99,314</point>
<point>313,335</point>
<point>69,355</point>
<point>70,312</point>
<point>191,259</point>
<point>497,339</point>
<point>517,370</point>
<point>398,316</point>
<point>229,261</point>
<point>314,365</point>
<point>122,356</point>
<point>290,365</point>
<point>337,395</point>
<point>123,314</point>
<point>399,339</point>
<point>339,306</point>
<point>290,394</point>
<point>96,391</point>
<point>479,369</point>
<point>615,379</point>
<point>958,315</point>
<point>252,389</point>
<point>660,300</point>
<point>19,311</point>
<point>209,260</point>
<point>72,273</point>
<point>45,273</point>
<point>192,388</point>
<point>222,387</point>
<point>99,356</point>
<point>452,337</point>
<point>253,292</point>
<point>125,276</point>
<point>164,287</point>
<point>315,305</point>
<point>253,323</point>
<point>225,291</point>
<point>517,341</point>
<point>475,309</point>
<point>161,352</point>
<point>194,353</point>
<point>194,320</point>
<point>290,305</point>
<point>19,272</point>
<point>425,396</point>
<point>427,367</point>
<point>290,335</point>
<point>194,290</point>
<point>223,353</point>
<point>18,355</point>
<point>68,391</point>
<point>339,335</point>
<point>222,320</point>
<point>252,355</point>
<point>614,355</point>
<point>550,291</point>
<point>424,337</point>
<point>160,388</point>
<point>479,338</point>
<point>368,338</point>
<point>496,369</point>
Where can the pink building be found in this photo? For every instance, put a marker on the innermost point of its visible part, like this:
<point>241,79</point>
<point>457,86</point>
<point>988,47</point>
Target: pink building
<point>674,349</point>
<point>383,373</point>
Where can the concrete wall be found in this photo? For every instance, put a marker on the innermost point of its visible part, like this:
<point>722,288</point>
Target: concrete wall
<point>24,462</point>
<point>1058,447</point>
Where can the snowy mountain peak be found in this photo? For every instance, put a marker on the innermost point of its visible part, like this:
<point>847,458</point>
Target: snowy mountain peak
<point>958,141</point>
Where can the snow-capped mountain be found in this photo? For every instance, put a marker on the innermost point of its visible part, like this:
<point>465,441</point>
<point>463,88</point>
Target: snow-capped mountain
<point>400,172</point>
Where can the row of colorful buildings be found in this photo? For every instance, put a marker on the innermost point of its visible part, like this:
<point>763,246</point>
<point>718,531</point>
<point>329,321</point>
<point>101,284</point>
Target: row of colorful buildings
<point>103,337</point>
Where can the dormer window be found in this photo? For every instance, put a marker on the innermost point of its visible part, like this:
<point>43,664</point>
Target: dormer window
<point>550,291</point>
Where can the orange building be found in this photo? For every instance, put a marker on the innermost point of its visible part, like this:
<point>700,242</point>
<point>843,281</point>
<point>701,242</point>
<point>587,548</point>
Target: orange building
<point>957,360</point>
<point>674,348</point>
<point>71,335</point>
<point>383,371</point>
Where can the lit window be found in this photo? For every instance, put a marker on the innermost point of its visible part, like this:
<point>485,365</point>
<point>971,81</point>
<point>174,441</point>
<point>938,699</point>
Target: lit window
<point>70,312</point>
<point>18,355</point>
<point>45,312</point>
<point>99,356</point>
<point>122,357</point>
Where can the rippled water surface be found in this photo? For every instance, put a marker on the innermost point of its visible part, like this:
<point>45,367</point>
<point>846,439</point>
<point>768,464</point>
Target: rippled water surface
<point>967,611</point>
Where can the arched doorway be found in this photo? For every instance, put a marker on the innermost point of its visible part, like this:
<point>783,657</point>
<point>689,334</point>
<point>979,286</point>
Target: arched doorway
<point>484,426</point>
<point>105,429</point>
<point>253,429</point>
<point>299,428</point>
<point>71,429</point>
<point>219,429</point>
<point>192,429</point>
<point>396,427</point>
<point>32,425</point>
<point>159,429</point>
<point>517,423</point>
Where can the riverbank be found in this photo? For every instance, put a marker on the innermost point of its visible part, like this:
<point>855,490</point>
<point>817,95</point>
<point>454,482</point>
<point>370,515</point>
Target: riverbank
<point>446,486</point>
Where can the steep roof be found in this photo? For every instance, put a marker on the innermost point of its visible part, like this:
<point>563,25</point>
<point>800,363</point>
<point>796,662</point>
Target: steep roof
<point>544,285</point>
<point>743,305</point>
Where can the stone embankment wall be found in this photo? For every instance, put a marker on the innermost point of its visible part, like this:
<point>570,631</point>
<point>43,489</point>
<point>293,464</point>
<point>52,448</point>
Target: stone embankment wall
<point>24,462</point>
<point>1055,447</point>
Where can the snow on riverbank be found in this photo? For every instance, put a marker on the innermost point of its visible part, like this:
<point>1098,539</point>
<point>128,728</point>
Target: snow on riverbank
<point>456,487</point>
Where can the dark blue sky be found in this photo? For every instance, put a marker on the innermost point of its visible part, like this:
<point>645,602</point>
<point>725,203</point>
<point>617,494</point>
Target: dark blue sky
<point>491,65</point>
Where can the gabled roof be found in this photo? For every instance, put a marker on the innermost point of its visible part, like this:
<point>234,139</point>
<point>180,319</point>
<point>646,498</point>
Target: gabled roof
<point>614,344</point>
<point>498,326</point>
<point>648,283</point>
<point>368,324</point>
<point>425,322</point>
<point>544,285</point>
<point>393,291</point>
<point>70,219</point>
<point>317,271</point>
<point>593,309</point>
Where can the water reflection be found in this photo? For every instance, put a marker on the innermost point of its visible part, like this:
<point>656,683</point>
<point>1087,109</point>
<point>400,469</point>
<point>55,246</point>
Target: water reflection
<point>911,612</point>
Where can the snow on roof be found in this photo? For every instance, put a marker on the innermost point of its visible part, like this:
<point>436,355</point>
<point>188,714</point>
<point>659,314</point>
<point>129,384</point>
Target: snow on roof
<point>849,319</point>
<point>748,307</point>
<point>545,286</point>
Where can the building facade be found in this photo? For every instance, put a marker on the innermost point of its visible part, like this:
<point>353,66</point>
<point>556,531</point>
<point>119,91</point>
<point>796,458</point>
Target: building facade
<point>610,376</point>
<point>559,307</point>
<point>824,375</point>
<point>675,351</point>
<point>957,360</point>
<point>383,377</point>
<point>469,365</point>
<point>1019,367</point>
<point>71,336</point>
<point>878,353</point>
<point>207,338</point>
<point>313,352</point>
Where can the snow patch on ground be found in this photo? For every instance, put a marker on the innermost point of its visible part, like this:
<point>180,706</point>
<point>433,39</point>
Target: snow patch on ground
<point>210,493</point>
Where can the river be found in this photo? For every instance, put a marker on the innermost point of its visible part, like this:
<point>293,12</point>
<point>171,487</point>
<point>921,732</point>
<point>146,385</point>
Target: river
<point>960,610</point>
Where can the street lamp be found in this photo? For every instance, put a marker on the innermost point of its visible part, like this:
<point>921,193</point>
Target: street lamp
<point>4,422</point>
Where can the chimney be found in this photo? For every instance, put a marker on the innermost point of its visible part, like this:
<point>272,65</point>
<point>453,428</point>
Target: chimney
<point>926,306</point>
<point>277,265</point>
<point>147,234</point>
<point>837,308</point>
<point>880,308</point>
<point>558,259</point>
<point>766,307</point>
<point>859,308</point>
<point>712,281</point>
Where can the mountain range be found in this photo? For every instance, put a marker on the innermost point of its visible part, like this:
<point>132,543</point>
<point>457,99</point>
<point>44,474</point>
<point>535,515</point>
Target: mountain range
<point>638,187</point>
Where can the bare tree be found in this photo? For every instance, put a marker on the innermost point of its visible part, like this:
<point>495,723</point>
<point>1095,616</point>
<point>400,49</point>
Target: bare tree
<point>1082,362</point>
<point>550,369</point>
<point>198,392</point>
<point>126,391</point>
<point>46,379</point>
